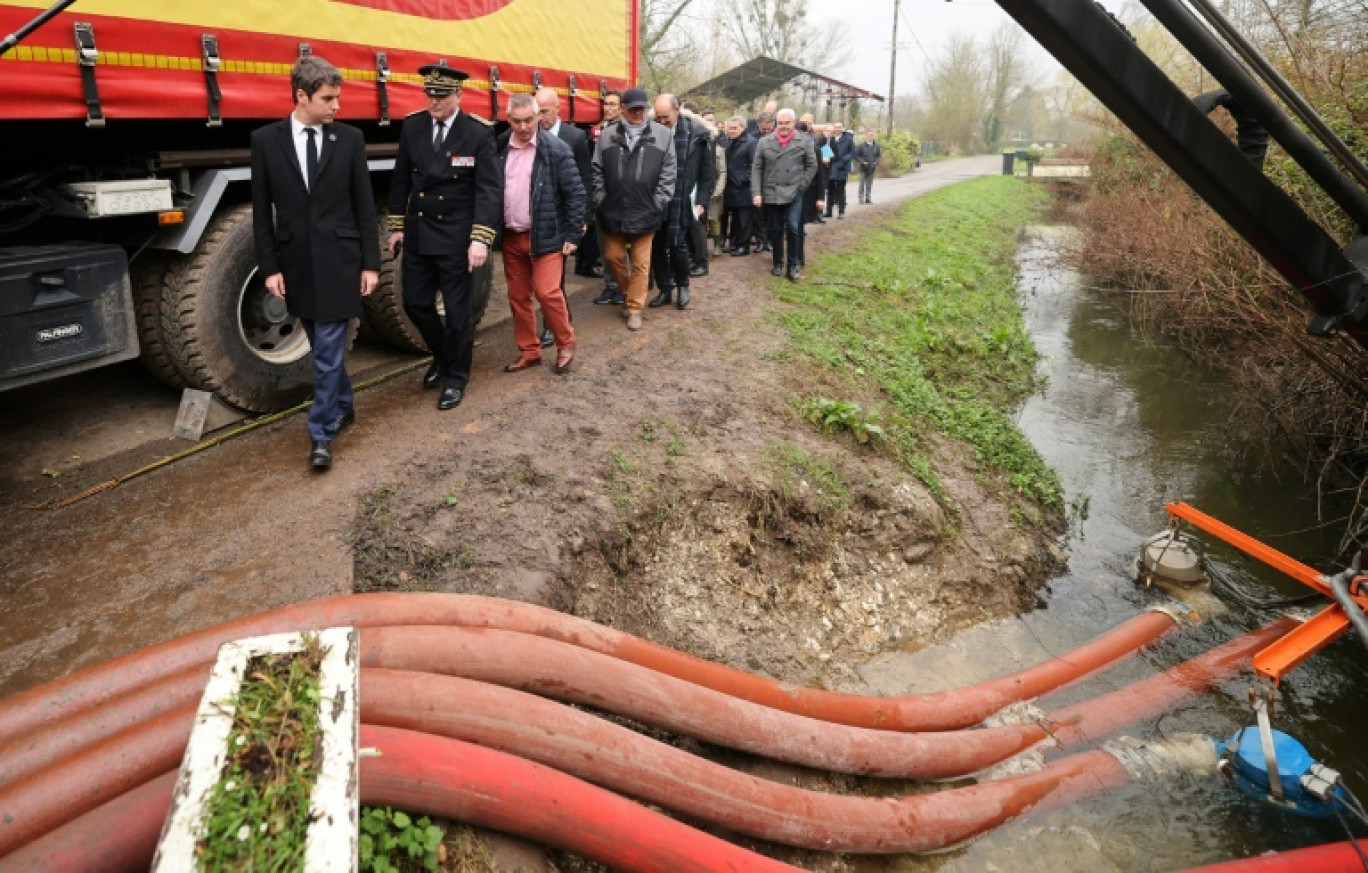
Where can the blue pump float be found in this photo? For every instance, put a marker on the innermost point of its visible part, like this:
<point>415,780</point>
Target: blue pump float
<point>1289,777</point>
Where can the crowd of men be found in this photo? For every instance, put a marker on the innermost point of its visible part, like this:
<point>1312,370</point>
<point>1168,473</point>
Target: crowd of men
<point>633,201</point>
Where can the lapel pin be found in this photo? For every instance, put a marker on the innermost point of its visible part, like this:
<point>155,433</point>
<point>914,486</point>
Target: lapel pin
<point>332,137</point>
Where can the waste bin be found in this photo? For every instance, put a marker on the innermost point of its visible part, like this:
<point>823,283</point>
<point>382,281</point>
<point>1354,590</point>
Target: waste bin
<point>1008,158</point>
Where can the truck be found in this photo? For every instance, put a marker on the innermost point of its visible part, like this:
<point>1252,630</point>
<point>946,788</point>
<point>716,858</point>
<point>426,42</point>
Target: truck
<point>125,215</point>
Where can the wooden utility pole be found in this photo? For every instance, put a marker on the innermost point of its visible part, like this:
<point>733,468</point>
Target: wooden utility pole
<point>893,67</point>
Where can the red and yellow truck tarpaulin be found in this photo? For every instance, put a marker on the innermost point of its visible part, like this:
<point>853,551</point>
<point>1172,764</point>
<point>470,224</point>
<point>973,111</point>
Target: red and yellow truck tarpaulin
<point>151,59</point>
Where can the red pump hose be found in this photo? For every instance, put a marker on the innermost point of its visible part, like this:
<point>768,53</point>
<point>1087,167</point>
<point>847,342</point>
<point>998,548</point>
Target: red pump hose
<point>945,710</point>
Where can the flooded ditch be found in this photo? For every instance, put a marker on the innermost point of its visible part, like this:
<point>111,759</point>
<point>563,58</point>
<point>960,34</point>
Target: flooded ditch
<point>1129,426</point>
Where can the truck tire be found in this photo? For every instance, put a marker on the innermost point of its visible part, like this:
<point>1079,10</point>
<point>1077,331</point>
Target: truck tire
<point>148,274</point>
<point>385,319</point>
<point>224,332</point>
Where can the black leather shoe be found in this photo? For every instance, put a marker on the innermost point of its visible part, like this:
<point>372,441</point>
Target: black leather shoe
<point>682,300</point>
<point>548,339</point>
<point>740,252</point>
<point>776,270</point>
<point>344,421</point>
<point>450,398</point>
<point>699,269</point>
<point>320,455</point>
<point>661,299</point>
<point>605,297</point>
<point>432,376</point>
<point>794,274</point>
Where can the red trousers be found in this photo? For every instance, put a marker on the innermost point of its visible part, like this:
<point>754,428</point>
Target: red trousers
<point>539,276</point>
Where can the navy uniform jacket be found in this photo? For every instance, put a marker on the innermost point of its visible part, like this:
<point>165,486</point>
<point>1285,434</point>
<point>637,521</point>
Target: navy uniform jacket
<point>319,240</point>
<point>443,201</point>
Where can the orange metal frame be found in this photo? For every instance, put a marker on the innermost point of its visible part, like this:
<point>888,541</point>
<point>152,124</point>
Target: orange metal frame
<point>1315,634</point>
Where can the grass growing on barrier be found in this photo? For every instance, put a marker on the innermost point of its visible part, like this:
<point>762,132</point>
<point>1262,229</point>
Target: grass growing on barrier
<point>258,814</point>
<point>923,310</point>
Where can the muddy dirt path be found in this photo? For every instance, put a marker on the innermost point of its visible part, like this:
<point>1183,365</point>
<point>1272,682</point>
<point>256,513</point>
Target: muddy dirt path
<point>665,486</point>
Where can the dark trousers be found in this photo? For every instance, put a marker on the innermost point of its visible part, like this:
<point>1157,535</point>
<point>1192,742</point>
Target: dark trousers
<point>736,222</point>
<point>698,235</point>
<point>332,386</point>
<point>785,224</point>
<point>588,253</point>
<point>811,195</point>
<point>452,339</point>
<point>670,249</point>
<point>836,196</point>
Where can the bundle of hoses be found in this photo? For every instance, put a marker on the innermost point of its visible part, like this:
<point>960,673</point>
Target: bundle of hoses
<point>86,762</point>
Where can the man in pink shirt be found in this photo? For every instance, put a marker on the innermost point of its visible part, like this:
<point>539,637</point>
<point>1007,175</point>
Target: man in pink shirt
<point>543,217</point>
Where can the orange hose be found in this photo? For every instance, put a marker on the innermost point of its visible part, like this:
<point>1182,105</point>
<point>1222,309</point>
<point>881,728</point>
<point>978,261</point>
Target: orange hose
<point>569,673</point>
<point>32,709</point>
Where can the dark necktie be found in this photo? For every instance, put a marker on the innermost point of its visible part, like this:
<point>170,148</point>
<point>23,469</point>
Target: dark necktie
<point>311,157</point>
<point>437,137</point>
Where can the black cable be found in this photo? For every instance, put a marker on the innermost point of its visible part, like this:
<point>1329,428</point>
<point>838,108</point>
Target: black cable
<point>1335,802</point>
<point>1223,583</point>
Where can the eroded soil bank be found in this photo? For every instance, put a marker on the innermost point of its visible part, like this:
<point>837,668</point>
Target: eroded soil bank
<point>667,487</point>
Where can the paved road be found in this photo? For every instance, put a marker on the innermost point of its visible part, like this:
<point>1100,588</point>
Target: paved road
<point>59,428</point>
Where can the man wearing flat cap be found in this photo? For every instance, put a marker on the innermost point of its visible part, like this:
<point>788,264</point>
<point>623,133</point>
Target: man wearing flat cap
<point>446,200</point>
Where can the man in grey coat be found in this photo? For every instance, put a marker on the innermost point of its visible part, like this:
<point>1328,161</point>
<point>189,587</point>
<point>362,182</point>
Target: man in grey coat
<point>784,164</point>
<point>634,181</point>
<point>867,155</point>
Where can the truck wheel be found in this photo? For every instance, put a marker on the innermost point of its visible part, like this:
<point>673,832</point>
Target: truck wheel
<point>225,332</point>
<point>149,276</point>
<point>480,285</point>
<point>385,320</point>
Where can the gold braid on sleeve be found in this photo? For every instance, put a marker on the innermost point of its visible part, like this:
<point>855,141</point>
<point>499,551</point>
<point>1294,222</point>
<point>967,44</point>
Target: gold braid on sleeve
<point>394,223</point>
<point>482,234</point>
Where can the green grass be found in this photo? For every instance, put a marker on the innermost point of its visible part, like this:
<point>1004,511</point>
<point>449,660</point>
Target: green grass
<point>924,311</point>
<point>258,813</point>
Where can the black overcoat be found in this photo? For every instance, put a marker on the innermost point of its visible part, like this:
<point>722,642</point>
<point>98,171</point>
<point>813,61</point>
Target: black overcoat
<point>319,240</point>
<point>740,155</point>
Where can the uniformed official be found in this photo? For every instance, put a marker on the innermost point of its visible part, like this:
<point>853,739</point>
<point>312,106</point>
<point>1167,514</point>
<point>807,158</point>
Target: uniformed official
<point>445,203</point>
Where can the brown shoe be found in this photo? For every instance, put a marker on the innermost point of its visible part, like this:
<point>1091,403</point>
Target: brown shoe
<point>522,364</point>
<point>564,358</point>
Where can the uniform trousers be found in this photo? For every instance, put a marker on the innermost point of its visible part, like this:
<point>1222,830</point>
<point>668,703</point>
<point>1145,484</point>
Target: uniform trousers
<point>537,276</point>
<point>451,338</point>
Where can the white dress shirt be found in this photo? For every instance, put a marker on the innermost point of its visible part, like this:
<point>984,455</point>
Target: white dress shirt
<point>301,143</point>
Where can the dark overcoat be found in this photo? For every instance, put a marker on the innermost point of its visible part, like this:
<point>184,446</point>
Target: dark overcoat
<point>842,151</point>
<point>319,240</point>
<point>740,154</point>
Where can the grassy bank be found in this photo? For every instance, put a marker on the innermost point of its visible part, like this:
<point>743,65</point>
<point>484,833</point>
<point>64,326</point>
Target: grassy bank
<point>922,312</point>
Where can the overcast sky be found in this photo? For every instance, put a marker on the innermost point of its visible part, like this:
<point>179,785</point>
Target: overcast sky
<point>923,29</point>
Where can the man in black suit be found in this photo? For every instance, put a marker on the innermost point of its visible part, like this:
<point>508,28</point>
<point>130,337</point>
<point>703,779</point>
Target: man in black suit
<point>548,116</point>
<point>445,202</point>
<point>320,253</point>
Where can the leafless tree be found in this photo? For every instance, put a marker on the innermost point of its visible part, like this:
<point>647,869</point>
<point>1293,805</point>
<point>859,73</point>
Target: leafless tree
<point>783,30</point>
<point>666,51</point>
<point>955,92</point>
<point>1004,71</point>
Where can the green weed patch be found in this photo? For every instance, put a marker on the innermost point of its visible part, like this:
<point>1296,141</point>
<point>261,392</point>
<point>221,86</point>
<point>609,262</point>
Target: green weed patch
<point>924,311</point>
